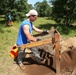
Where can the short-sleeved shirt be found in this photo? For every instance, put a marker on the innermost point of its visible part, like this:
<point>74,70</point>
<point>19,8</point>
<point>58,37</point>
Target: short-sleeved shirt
<point>21,38</point>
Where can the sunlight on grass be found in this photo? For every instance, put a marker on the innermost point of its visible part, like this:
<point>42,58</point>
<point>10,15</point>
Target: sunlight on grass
<point>42,20</point>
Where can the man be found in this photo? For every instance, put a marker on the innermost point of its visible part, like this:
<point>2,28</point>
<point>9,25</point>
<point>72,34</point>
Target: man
<point>8,19</point>
<point>24,36</point>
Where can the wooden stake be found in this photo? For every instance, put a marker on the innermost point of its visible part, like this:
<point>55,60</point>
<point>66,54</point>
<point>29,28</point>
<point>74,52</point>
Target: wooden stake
<point>57,47</point>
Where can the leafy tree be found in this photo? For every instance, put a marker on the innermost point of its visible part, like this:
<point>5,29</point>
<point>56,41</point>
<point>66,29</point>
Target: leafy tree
<point>43,8</point>
<point>64,11</point>
<point>48,11</point>
<point>18,8</point>
<point>3,5</point>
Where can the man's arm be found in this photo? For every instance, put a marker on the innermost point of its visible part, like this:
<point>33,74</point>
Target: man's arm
<point>40,31</point>
<point>37,30</point>
<point>27,33</point>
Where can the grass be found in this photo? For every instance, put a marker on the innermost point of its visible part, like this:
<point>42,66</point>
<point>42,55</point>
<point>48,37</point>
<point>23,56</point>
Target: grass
<point>65,31</point>
<point>8,37</point>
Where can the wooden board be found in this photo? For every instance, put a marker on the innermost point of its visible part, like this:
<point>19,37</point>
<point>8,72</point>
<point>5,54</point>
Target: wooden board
<point>38,43</point>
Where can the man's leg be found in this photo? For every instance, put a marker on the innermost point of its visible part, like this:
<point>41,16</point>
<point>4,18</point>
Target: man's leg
<point>21,53</point>
<point>36,54</point>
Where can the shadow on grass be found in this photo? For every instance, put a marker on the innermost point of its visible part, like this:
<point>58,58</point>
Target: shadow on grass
<point>63,29</point>
<point>2,22</point>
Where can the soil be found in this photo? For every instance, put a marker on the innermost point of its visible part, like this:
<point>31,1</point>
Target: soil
<point>67,61</point>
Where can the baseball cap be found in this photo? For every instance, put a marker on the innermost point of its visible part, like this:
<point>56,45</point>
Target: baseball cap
<point>32,12</point>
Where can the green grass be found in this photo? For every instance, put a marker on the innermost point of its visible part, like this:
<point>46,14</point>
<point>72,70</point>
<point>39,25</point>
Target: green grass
<point>8,37</point>
<point>65,31</point>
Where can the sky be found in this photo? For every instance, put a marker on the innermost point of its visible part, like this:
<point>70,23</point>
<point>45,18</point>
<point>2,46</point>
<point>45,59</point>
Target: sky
<point>34,1</point>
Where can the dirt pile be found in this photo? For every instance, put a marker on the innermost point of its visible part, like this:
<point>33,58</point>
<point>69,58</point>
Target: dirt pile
<point>68,44</point>
<point>68,56</point>
<point>67,60</point>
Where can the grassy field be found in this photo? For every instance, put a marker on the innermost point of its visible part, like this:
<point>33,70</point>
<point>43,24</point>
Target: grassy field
<point>8,37</point>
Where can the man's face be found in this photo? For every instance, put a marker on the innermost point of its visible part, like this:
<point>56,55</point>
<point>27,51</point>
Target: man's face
<point>33,17</point>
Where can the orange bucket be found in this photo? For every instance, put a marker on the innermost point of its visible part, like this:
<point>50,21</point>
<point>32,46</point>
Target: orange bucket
<point>14,52</point>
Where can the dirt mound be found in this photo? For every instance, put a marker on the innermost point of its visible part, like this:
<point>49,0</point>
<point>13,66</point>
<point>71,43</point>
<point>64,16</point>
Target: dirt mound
<point>67,60</point>
<point>68,44</point>
<point>68,56</point>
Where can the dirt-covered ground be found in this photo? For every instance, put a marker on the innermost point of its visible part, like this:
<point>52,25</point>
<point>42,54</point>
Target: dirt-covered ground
<point>68,56</point>
<point>67,61</point>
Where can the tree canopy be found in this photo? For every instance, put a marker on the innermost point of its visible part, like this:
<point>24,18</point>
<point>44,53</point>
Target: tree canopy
<point>18,8</point>
<point>43,8</point>
<point>64,11</point>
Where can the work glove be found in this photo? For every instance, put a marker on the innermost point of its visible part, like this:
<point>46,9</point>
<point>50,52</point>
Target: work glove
<point>37,39</point>
<point>45,31</point>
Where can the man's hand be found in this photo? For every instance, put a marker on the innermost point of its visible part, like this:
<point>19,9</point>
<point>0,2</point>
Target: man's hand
<point>46,31</point>
<point>38,39</point>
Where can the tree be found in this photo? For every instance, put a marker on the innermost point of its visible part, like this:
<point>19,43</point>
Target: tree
<point>43,8</point>
<point>64,11</point>
<point>3,5</point>
<point>18,8</point>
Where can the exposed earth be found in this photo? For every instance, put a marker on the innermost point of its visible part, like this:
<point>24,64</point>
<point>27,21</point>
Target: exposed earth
<point>67,61</point>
